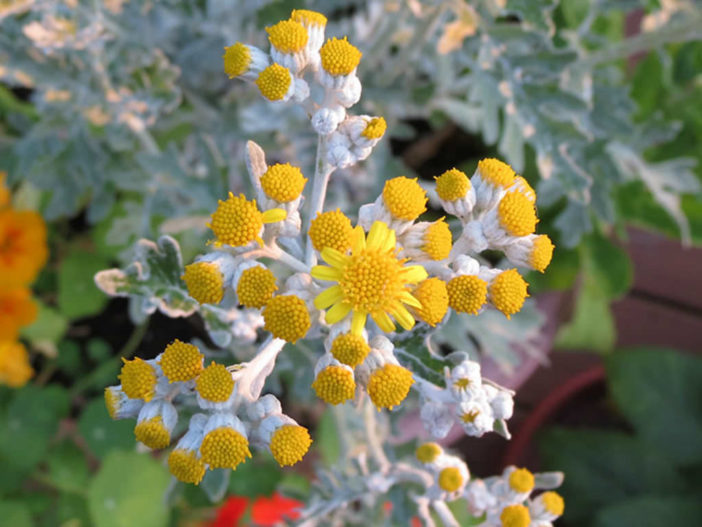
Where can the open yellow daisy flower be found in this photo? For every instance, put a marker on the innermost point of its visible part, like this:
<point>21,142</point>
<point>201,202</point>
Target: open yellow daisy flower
<point>371,280</point>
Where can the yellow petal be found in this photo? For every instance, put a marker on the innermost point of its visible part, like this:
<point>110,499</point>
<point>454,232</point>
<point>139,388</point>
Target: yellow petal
<point>403,317</point>
<point>377,234</point>
<point>359,239</point>
<point>337,312</point>
<point>274,215</point>
<point>358,322</point>
<point>384,321</point>
<point>407,298</point>
<point>322,272</point>
<point>413,274</point>
<point>334,257</point>
<point>328,297</point>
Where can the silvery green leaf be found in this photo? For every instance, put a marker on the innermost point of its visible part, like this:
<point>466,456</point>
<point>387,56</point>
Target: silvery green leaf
<point>512,143</point>
<point>573,223</point>
<point>490,333</point>
<point>533,13</point>
<point>152,279</point>
<point>466,115</point>
<point>548,480</point>
<point>413,351</point>
<point>215,483</point>
<point>500,428</point>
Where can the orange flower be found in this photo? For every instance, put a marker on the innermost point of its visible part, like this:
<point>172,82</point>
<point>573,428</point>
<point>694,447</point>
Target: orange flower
<point>23,249</point>
<point>4,191</point>
<point>15,369</point>
<point>17,309</point>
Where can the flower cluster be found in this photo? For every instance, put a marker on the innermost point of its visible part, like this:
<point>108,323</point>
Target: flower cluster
<point>361,284</point>
<point>23,252</point>
<point>299,53</point>
<point>504,501</point>
<point>228,422</point>
<point>476,404</point>
<point>507,501</point>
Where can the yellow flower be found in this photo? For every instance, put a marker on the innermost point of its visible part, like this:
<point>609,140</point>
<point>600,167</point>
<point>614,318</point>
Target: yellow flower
<point>388,386</point>
<point>372,280</point>
<point>515,516</point>
<point>517,214</point>
<point>331,229</point>
<point>375,129</point>
<point>138,379</point>
<point>181,361</point>
<point>339,57</point>
<point>450,479</point>
<point>467,294</point>
<point>205,282</point>
<point>274,82</point>
<point>350,349</point>
<point>335,384</point>
<point>496,172</point>
<point>404,198</point>
<point>552,502</point>
<point>286,317</point>
<point>215,383</point>
<point>289,444</point>
<point>153,433</point>
<point>17,309</point>
<point>452,185</point>
<point>433,296</point>
<point>224,447</point>
<point>237,60</point>
<point>288,36</point>
<point>521,480</point>
<point>23,249</point>
<point>283,183</point>
<point>541,253</point>
<point>256,286</point>
<point>237,221</point>
<point>15,369</point>
<point>186,465</point>
<point>508,292</point>
<point>428,452</point>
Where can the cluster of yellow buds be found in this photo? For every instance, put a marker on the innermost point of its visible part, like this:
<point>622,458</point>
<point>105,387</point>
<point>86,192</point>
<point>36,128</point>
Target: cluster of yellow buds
<point>23,252</point>
<point>388,270</point>
<point>298,56</point>
<point>231,417</point>
<point>503,501</point>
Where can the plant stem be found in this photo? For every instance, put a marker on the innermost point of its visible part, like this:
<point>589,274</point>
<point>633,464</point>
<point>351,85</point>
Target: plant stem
<point>322,172</point>
<point>684,31</point>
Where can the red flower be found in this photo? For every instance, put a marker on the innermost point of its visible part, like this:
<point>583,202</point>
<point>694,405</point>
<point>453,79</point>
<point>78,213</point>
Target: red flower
<point>267,512</point>
<point>231,512</point>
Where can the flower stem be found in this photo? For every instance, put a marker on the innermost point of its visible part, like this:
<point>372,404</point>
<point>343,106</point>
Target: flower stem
<point>322,172</point>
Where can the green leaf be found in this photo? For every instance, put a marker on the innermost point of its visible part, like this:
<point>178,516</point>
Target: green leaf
<point>15,514</point>
<point>412,352</point>
<point>660,393</point>
<point>534,14</point>
<point>215,484</point>
<point>604,468</point>
<point>592,325</point>
<point>71,511</point>
<point>257,477</point>
<point>327,440</point>
<point>152,280</point>
<point>77,295</point>
<point>101,433</point>
<point>610,266</point>
<point>49,326</point>
<point>129,490</point>
<point>68,469</point>
<point>651,511</point>
<point>30,422</point>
